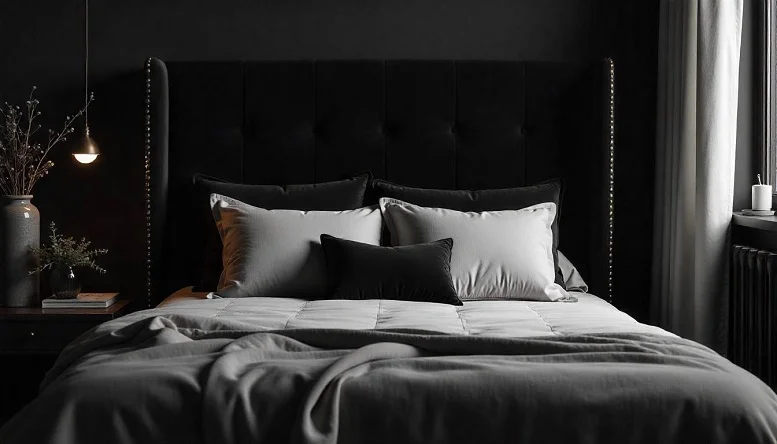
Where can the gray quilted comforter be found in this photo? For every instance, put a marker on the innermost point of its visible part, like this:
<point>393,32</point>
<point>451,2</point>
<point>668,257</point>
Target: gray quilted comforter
<point>182,378</point>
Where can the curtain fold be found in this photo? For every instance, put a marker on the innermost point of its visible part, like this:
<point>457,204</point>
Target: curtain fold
<point>698,70</point>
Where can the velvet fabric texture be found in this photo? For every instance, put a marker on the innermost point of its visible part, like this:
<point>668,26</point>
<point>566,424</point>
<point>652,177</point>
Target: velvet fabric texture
<point>340,195</point>
<point>481,200</point>
<point>420,272</point>
<point>438,124</point>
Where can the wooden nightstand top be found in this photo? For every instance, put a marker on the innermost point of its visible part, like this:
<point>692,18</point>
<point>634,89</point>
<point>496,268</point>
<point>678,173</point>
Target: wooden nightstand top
<point>64,314</point>
<point>38,330</point>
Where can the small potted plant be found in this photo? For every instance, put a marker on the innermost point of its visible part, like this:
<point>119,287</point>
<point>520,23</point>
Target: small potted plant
<point>61,256</point>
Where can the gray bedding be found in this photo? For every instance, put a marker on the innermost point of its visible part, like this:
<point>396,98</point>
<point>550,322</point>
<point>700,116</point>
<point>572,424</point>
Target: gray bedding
<point>178,378</point>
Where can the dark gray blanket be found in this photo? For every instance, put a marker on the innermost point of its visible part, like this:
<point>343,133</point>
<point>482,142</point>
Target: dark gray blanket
<point>188,379</point>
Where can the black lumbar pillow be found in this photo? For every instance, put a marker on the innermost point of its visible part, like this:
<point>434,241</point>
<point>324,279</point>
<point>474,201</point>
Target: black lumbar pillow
<point>420,272</point>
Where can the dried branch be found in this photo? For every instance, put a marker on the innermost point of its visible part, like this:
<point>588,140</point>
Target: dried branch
<point>23,161</point>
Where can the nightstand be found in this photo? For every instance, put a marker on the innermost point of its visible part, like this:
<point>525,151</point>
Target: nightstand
<point>30,341</point>
<point>49,330</point>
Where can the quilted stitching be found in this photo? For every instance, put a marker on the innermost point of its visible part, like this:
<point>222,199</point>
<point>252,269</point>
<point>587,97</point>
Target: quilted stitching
<point>218,313</point>
<point>377,314</point>
<point>550,327</point>
<point>295,314</point>
<point>476,318</point>
<point>464,328</point>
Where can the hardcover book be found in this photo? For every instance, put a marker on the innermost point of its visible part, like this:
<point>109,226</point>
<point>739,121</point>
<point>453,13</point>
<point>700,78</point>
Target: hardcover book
<point>84,300</point>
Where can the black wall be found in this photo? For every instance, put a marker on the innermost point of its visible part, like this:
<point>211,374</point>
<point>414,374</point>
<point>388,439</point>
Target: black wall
<point>105,200</point>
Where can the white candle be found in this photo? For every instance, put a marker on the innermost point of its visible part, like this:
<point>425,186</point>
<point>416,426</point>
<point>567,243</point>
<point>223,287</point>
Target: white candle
<point>762,197</point>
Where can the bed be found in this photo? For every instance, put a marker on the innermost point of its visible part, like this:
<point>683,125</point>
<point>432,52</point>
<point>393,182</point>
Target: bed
<point>197,367</point>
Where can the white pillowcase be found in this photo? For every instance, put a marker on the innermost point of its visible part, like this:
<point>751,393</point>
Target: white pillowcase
<point>278,252</point>
<point>496,254</point>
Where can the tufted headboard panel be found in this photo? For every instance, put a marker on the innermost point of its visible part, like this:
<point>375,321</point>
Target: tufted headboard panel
<point>435,124</point>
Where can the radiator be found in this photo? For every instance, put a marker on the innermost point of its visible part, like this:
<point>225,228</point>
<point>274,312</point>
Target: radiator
<point>752,313</point>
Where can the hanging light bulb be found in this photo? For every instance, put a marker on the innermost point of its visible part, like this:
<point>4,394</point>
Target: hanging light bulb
<point>85,158</point>
<point>88,150</point>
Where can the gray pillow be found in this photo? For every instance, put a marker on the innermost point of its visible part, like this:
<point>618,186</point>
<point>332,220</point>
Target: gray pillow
<point>573,281</point>
<point>278,252</point>
<point>504,254</point>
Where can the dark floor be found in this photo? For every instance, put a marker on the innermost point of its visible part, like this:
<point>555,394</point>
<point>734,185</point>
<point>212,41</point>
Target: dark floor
<point>20,376</point>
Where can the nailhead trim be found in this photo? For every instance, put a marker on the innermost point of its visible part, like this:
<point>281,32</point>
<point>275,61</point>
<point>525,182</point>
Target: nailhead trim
<point>148,181</point>
<point>611,218</point>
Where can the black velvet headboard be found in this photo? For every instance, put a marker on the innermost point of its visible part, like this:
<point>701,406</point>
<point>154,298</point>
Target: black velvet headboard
<point>436,124</point>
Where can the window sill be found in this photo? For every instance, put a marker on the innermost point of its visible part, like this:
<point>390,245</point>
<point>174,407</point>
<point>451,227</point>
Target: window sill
<point>767,223</point>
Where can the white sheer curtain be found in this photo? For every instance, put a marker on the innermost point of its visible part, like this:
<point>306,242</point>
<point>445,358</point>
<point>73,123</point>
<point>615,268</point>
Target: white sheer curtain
<point>699,43</point>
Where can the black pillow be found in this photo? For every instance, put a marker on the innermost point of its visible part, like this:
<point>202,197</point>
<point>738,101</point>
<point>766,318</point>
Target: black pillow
<point>345,194</point>
<point>420,272</point>
<point>481,200</point>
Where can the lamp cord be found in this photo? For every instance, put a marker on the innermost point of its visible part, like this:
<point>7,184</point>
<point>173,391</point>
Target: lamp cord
<point>86,65</point>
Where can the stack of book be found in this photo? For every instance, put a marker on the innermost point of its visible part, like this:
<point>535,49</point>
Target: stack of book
<point>84,300</point>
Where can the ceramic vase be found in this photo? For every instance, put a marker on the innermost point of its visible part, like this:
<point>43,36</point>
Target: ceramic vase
<point>19,233</point>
